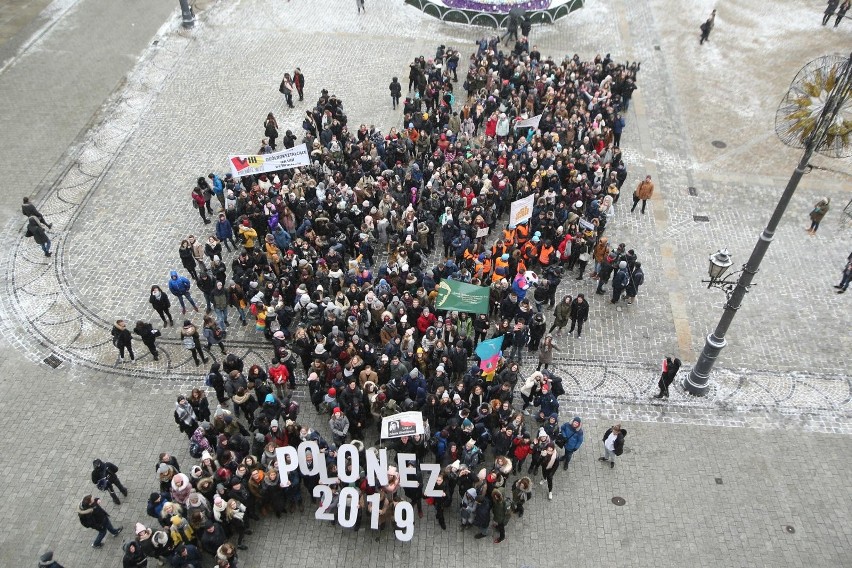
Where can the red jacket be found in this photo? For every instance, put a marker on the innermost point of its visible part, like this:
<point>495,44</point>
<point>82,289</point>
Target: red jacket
<point>521,450</point>
<point>279,374</point>
<point>425,322</point>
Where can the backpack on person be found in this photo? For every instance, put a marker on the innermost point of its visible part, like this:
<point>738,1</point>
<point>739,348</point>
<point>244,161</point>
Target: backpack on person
<point>195,449</point>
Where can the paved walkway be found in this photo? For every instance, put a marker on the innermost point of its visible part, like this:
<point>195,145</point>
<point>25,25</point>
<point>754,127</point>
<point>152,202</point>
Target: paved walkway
<point>119,201</point>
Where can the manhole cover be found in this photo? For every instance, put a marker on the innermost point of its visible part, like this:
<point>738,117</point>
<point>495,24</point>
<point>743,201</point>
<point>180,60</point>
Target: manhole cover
<point>719,144</point>
<point>692,191</point>
<point>790,529</point>
<point>718,481</point>
<point>619,501</point>
<point>701,218</point>
<point>53,361</point>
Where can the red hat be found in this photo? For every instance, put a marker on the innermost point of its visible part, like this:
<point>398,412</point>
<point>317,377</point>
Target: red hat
<point>336,409</point>
<point>545,388</point>
<point>491,478</point>
<point>332,391</point>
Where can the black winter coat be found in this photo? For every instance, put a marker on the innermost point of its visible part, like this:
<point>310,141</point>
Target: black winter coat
<point>579,311</point>
<point>93,516</point>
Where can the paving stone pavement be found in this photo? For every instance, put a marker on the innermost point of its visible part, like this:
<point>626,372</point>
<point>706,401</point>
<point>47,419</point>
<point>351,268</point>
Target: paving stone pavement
<point>121,206</point>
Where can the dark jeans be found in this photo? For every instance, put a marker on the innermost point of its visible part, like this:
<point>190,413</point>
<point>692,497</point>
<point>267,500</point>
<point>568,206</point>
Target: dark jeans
<point>165,313</point>
<point>636,202</point>
<point>579,324</point>
<point>121,348</point>
<point>102,533</point>
<point>116,482</point>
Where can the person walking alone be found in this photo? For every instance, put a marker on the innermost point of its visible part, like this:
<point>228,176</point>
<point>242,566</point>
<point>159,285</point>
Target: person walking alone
<point>270,130</point>
<point>670,369</point>
<point>395,91</point>
<point>643,193</point>
<point>105,476</point>
<point>579,314</point>
<point>707,27</point>
<point>122,340</point>
<point>819,211</point>
<point>613,441</point>
<point>847,276</point>
<point>92,516</point>
<point>161,304</point>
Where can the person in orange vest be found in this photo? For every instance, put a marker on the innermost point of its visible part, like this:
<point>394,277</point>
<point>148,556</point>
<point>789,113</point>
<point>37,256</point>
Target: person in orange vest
<point>522,234</point>
<point>546,255</point>
<point>509,235</point>
<point>483,266</point>
<point>529,252</point>
<point>501,267</point>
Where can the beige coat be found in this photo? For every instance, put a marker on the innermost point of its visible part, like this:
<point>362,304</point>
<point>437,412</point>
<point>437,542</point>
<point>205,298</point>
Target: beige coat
<point>645,189</point>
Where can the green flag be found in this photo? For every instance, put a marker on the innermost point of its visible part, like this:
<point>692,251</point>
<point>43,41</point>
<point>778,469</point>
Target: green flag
<point>462,297</point>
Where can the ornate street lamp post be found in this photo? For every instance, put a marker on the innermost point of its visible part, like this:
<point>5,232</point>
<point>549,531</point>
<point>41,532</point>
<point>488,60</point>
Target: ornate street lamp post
<point>816,115</point>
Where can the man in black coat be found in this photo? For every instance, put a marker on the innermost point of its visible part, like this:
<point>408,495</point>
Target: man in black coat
<point>29,210</point>
<point>92,516</point>
<point>104,476</point>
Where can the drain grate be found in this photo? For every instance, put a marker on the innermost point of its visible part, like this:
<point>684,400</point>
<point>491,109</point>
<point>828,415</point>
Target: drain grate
<point>701,218</point>
<point>718,481</point>
<point>692,191</point>
<point>53,361</point>
<point>656,48</point>
<point>618,501</point>
<point>719,144</point>
<point>790,529</point>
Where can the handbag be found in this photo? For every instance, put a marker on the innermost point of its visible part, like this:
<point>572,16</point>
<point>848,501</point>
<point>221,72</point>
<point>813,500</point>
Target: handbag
<point>585,257</point>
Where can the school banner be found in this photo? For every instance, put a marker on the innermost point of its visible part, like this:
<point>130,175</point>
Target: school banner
<point>529,122</point>
<point>462,297</point>
<point>521,210</point>
<point>257,164</point>
<point>402,424</point>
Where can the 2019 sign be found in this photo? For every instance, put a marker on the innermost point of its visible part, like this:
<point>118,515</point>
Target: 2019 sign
<point>377,476</point>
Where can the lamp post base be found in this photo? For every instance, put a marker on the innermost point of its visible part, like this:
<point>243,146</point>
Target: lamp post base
<point>697,382</point>
<point>187,14</point>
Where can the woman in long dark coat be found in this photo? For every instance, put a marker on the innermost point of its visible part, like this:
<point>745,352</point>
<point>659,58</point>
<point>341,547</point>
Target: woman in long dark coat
<point>670,369</point>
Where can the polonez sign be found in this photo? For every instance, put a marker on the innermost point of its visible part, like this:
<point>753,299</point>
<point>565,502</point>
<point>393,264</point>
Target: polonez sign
<point>348,471</point>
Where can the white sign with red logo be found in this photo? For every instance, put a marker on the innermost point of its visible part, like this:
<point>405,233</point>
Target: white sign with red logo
<point>295,157</point>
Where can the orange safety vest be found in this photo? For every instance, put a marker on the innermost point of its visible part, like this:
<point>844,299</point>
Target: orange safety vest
<point>544,256</point>
<point>509,234</point>
<point>530,250</point>
<point>522,232</point>
<point>498,263</point>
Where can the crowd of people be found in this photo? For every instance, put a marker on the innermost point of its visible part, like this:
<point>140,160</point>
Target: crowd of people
<point>334,264</point>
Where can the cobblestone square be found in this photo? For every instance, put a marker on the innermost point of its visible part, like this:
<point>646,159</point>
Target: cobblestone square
<point>774,427</point>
